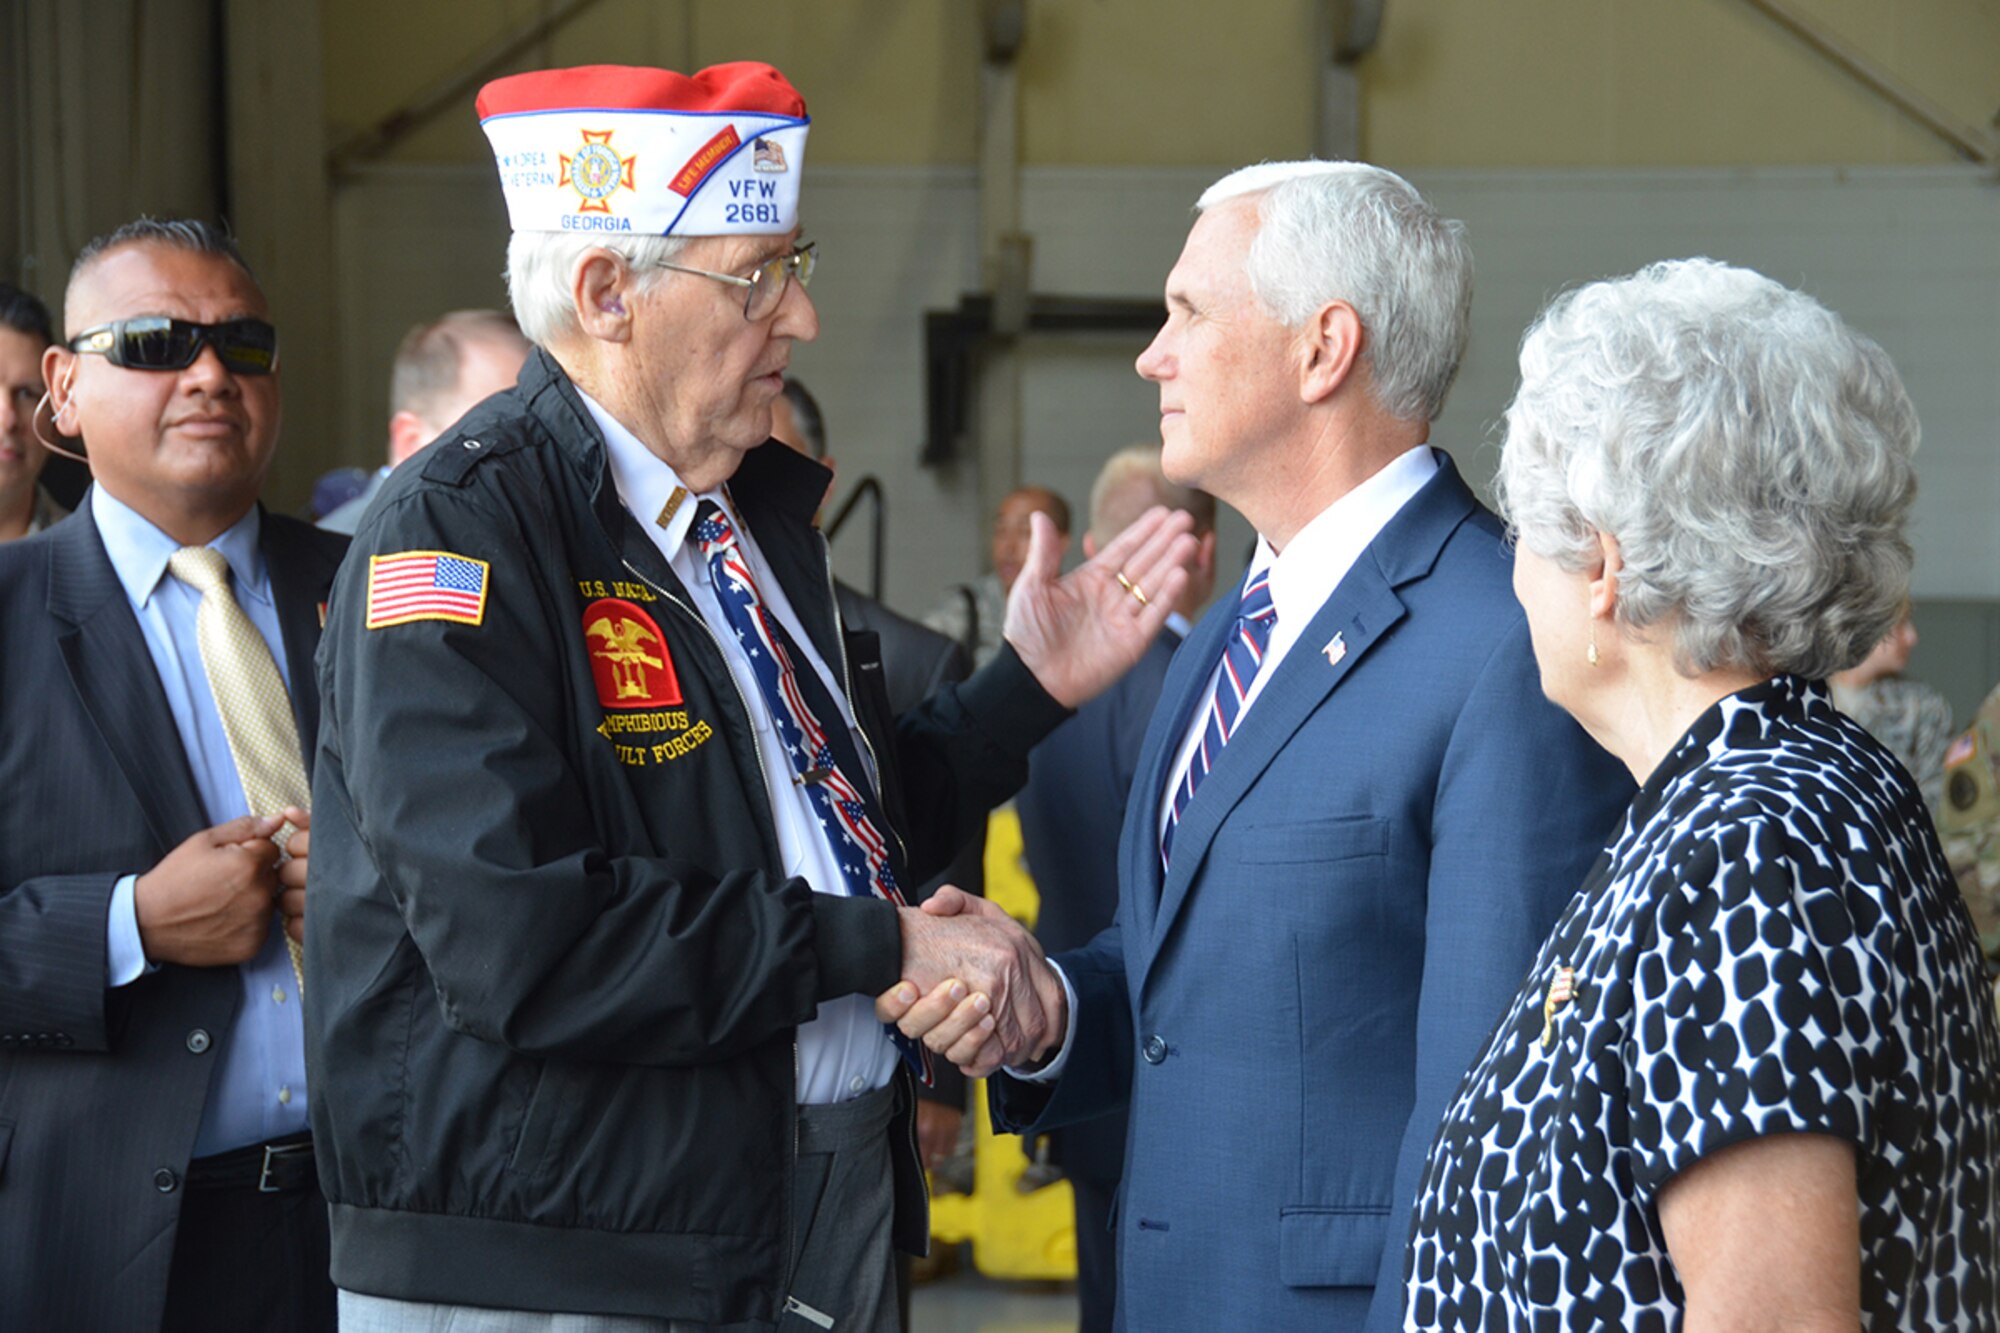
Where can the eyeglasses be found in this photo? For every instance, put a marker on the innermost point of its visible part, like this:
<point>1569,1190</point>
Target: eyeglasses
<point>767,284</point>
<point>155,342</point>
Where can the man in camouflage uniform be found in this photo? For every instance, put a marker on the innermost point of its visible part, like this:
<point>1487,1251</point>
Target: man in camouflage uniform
<point>1969,821</point>
<point>1909,717</point>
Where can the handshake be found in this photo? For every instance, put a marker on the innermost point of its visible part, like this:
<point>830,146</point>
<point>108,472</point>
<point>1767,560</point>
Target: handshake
<point>976,988</point>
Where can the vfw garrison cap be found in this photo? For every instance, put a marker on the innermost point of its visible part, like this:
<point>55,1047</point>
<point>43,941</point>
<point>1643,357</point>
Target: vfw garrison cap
<point>617,148</point>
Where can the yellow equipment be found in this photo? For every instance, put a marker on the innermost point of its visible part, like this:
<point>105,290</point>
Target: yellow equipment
<point>1013,1235</point>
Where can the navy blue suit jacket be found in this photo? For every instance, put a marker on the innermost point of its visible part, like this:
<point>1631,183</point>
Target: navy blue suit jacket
<point>1355,893</point>
<point>101,1091</point>
<point>1071,812</point>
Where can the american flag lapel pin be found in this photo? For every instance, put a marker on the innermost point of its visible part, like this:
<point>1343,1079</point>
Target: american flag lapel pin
<point>1562,989</point>
<point>1335,650</point>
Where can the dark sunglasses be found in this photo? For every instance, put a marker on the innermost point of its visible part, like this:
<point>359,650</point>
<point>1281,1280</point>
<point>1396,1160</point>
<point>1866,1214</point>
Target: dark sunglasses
<point>155,342</point>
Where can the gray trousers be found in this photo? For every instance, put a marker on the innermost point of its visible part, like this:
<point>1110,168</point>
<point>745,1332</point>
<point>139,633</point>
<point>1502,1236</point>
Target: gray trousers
<point>842,1275</point>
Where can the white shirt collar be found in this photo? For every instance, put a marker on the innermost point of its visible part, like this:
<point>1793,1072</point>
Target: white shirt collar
<point>1320,554</point>
<point>139,551</point>
<point>647,484</point>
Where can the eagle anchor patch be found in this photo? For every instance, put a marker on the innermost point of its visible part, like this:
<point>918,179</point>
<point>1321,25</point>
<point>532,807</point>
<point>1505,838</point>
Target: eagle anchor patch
<point>628,656</point>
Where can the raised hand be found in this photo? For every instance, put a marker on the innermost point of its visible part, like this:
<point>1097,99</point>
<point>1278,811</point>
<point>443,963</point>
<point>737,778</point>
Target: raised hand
<point>208,902</point>
<point>1081,632</point>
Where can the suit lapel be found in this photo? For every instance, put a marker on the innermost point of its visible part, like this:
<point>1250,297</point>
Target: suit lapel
<point>299,587</point>
<point>112,672</point>
<point>1361,610</point>
<point>1139,841</point>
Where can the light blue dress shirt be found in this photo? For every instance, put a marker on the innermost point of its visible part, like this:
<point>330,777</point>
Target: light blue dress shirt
<point>258,1091</point>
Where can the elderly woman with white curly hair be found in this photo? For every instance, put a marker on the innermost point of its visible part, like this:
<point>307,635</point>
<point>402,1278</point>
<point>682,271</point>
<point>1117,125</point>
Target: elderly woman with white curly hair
<point>1750,1080</point>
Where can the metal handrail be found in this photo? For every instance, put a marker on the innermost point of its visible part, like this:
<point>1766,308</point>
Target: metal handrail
<point>867,488</point>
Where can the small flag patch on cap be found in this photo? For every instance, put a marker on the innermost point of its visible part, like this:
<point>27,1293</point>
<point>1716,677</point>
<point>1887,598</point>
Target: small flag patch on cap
<point>425,585</point>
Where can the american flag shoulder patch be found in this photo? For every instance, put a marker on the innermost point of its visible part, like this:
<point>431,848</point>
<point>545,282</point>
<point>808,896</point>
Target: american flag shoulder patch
<point>425,585</point>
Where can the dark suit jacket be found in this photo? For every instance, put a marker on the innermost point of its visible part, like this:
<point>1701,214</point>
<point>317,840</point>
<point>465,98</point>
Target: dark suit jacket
<point>101,1091</point>
<point>917,662</point>
<point>1071,812</point>
<point>1355,894</point>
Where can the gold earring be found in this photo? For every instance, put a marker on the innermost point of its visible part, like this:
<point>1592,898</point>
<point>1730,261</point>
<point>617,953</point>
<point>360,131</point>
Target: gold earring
<point>1591,656</point>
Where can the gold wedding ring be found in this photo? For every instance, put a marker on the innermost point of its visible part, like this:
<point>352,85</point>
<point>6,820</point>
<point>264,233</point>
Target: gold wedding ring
<point>1131,587</point>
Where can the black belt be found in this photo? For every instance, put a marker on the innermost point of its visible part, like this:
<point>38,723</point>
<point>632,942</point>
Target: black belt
<point>269,1168</point>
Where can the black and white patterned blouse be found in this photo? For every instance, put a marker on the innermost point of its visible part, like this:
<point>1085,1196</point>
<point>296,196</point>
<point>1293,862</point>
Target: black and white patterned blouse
<point>1773,942</point>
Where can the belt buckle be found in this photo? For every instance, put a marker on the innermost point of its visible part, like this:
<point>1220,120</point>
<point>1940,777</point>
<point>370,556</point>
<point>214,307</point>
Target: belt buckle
<point>272,1151</point>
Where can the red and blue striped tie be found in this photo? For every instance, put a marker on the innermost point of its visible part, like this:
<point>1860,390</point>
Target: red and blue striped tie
<point>1242,656</point>
<point>858,846</point>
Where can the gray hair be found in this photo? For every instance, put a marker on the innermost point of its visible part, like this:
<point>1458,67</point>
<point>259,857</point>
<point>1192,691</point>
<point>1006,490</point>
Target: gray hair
<point>1751,454</point>
<point>541,271</point>
<point>1130,483</point>
<point>1348,231</point>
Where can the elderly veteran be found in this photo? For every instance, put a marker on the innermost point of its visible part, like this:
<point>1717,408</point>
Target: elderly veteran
<point>616,813</point>
<point>1750,1079</point>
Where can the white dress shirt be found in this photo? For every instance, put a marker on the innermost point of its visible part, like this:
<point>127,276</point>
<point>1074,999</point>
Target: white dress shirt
<point>1314,562</point>
<point>843,1051</point>
<point>1303,576</point>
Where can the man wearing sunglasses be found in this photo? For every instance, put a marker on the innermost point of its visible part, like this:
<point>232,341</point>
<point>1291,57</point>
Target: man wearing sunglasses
<point>158,654</point>
<point>613,818</point>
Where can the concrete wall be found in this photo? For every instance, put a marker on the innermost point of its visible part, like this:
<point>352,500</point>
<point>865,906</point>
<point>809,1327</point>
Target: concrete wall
<point>1909,256</point>
<point>1577,138</point>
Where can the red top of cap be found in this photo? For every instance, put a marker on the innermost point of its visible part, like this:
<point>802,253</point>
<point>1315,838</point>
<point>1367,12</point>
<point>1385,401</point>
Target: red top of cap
<point>742,85</point>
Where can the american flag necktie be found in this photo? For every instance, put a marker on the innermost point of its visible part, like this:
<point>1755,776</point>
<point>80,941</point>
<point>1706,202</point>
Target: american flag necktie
<point>1242,656</point>
<point>858,846</point>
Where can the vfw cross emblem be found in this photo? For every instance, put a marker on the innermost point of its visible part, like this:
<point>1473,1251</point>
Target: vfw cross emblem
<point>596,172</point>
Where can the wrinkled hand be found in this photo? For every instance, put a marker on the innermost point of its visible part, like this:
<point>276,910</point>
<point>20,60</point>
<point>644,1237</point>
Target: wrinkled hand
<point>938,1126</point>
<point>292,874</point>
<point>208,902</point>
<point>1081,632</point>
<point>976,987</point>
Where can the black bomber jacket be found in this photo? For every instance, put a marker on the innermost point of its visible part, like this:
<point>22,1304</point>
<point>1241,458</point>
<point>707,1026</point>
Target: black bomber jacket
<point>556,970</point>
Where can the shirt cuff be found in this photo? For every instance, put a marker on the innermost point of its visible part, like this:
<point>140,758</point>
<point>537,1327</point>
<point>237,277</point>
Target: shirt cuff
<point>1052,1071</point>
<point>124,955</point>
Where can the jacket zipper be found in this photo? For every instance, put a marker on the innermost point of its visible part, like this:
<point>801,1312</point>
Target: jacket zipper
<point>916,1155</point>
<point>916,1152</point>
<point>784,1299</point>
<point>786,1302</point>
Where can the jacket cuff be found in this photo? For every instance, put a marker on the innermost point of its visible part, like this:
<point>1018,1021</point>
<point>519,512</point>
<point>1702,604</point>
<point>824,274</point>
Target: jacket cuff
<point>1009,704</point>
<point>859,943</point>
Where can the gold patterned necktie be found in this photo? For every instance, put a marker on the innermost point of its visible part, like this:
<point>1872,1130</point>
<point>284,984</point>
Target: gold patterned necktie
<point>250,696</point>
